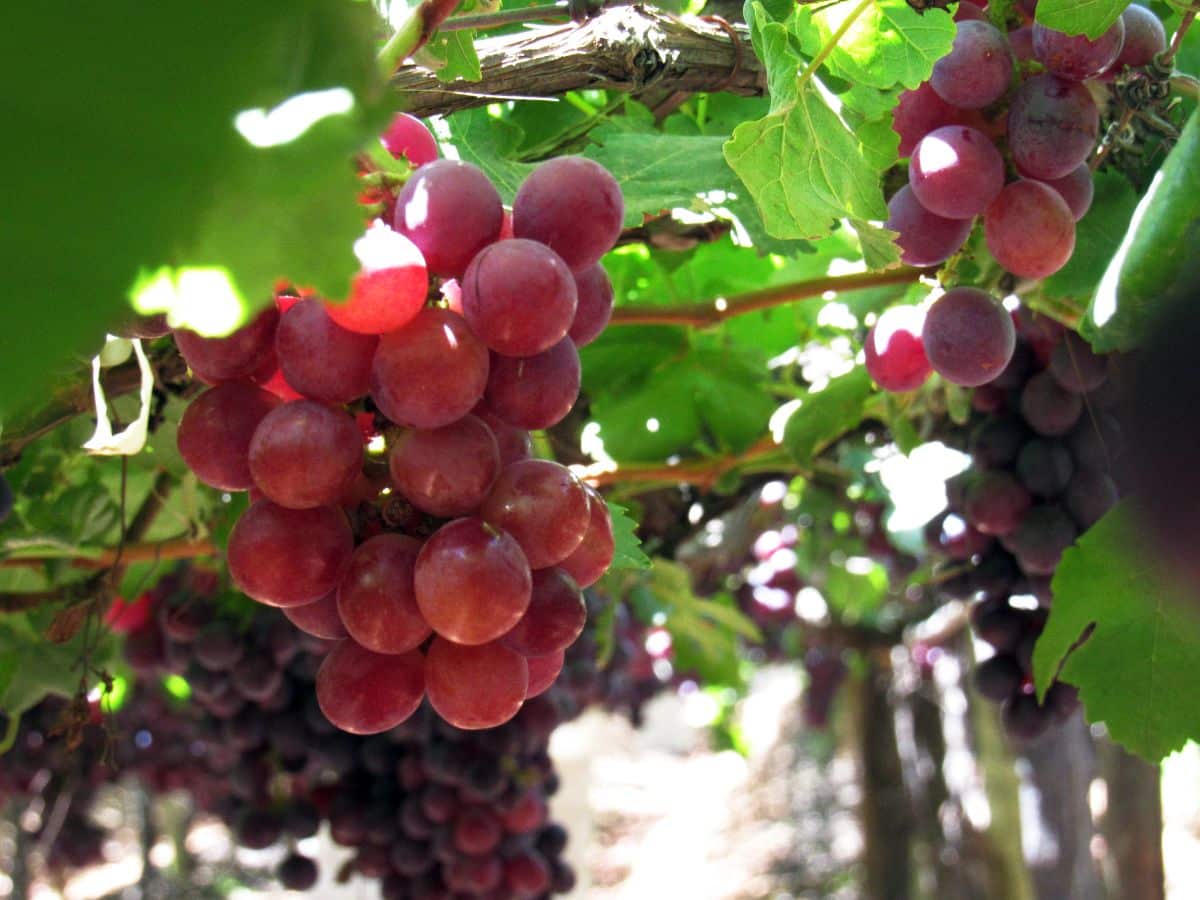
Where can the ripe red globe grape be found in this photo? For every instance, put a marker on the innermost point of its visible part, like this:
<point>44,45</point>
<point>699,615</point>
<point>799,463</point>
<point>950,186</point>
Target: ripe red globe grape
<point>364,692</point>
<point>543,506</point>
<point>451,211</point>
<point>956,172</point>
<point>215,432</point>
<point>595,552</point>
<point>389,290</point>
<point>321,359</point>
<point>319,618</point>
<point>595,292</point>
<point>919,112</point>
<point>519,297</point>
<point>1076,188</point>
<point>238,355</point>
<point>1052,126</point>
<point>895,355</point>
<point>289,557</point>
<point>446,471</point>
<point>1145,37</point>
<point>537,391</point>
<point>573,206</point>
<point>376,597</point>
<point>407,136</point>
<point>976,71</point>
<point>968,336</point>
<point>996,502</point>
<point>1029,229</point>
<point>430,372</point>
<point>472,581</point>
<point>475,687</point>
<point>555,616</point>
<point>514,442</point>
<point>1048,407</point>
<point>543,670</point>
<point>924,239</point>
<point>305,454</point>
<point>1075,56</point>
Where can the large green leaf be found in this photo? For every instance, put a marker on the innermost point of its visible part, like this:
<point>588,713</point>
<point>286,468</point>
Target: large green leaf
<point>1097,237</point>
<point>1157,259</point>
<point>1136,671</point>
<point>123,157</point>
<point>627,549</point>
<point>827,415</point>
<point>1090,17</point>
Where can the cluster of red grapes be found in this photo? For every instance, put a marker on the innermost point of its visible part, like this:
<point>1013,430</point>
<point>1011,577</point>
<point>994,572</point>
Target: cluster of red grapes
<point>1043,442</point>
<point>453,568</point>
<point>429,810</point>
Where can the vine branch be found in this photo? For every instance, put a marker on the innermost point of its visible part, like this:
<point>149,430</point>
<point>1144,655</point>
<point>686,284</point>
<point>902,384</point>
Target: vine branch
<point>703,473</point>
<point>628,49</point>
<point>713,312</point>
<point>182,548</point>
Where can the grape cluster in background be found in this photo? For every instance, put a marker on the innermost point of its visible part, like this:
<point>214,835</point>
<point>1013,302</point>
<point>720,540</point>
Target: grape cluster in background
<point>447,560</point>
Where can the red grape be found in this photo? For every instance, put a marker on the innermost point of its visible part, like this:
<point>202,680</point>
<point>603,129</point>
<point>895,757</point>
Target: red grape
<point>446,471</point>
<point>514,442</point>
<point>407,136</point>
<point>475,687</point>
<point>1076,188</point>
<point>1145,37</point>
<point>1029,229</point>
<point>365,693</point>
<point>1075,56</point>
<point>1021,42</point>
<point>543,670</point>
<point>595,292</point>
<point>594,554</point>
<point>538,391</point>
<point>924,239</point>
<point>519,297</point>
<point>976,71</point>
<point>996,502</point>
<point>451,211</point>
<point>968,336</point>
<point>289,557</point>
<point>573,206</point>
<point>215,432</point>
<point>473,582</point>
<point>919,112</point>
<point>376,598</point>
<point>305,454</point>
<point>238,355</point>
<point>1076,367</point>
<point>543,506</point>
<point>321,359</point>
<point>956,172</point>
<point>431,372</point>
<point>895,355</point>
<point>389,290</point>
<point>319,618</point>
<point>1052,126</point>
<point>554,619</point>
<point>1048,407</point>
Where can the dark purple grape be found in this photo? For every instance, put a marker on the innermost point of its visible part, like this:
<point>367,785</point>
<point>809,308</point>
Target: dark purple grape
<point>1053,125</point>
<point>1076,367</point>
<point>968,336</point>
<point>924,239</point>
<point>998,678</point>
<point>1039,541</point>
<point>1048,408</point>
<point>1090,495</point>
<point>995,503</point>
<point>1045,467</point>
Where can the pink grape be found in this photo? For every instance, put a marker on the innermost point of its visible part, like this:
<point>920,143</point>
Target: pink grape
<point>543,506</point>
<point>430,372</point>
<point>595,552</point>
<point>305,454</point>
<point>473,581</point>
<point>1145,37</point>
<point>475,687</point>
<point>321,359</point>
<point>289,557</point>
<point>514,443</point>
<point>407,136</point>
<point>1029,229</point>
<point>367,693</point>
<point>572,205</point>
<point>376,597</point>
<point>976,71</point>
<point>538,391</point>
<point>956,172</point>
<point>451,211</point>
<point>319,618</point>
<point>924,239</point>
<point>238,355</point>
<point>968,336</point>
<point>1053,125</point>
<point>895,355</point>
<point>543,671</point>
<point>446,471</point>
<point>919,112</point>
<point>554,619</point>
<point>1077,188</point>
<point>215,432</point>
<point>1075,56</point>
<point>389,290</point>
<point>594,309</point>
<point>519,297</point>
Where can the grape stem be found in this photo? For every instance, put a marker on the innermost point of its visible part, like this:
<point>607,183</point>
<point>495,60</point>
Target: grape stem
<point>181,548</point>
<point>414,32</point>
<point>1177,41</point>
<point>713,312</point>
<point>831,44</point>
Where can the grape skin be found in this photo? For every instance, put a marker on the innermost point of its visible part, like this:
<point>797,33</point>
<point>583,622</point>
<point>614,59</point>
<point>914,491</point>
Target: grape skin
<point>1077,189</point>
<point>895,355</point>
<point>956,172</point>
<point>595,303</point>
<point>305,454</point>
<point>446,471</point>
<point>538,391</point>
<point>572,205</point>
<point>919,112</point>
<point>1049,408</point>
<point>321,359</point>
<point>389,290</point>
<point>215,432</point>
<point>543,671</point>
<point>924,239</point>
<point>406,136</point>
<point>1076,366</point>
<point>595,552</point>
<point>543,506</point>
<point>968,336</point>
<point>475,687</point>
<point>1074,56</point>
<point>319,618</point>
<point>977,70</point>
<point>1145,38</point>
<point>238,355</point>
<point>1053,125</point>
<point>514,443</point>
<point>376,598</point>
<point>451,211</point>
<point>1029,229</point>
<point>554,619</point>
<point>367,693</point>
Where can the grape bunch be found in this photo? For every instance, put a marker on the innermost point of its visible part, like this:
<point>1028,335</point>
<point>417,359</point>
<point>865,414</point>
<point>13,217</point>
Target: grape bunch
<point>1044,443</point>
<point>446,560</point>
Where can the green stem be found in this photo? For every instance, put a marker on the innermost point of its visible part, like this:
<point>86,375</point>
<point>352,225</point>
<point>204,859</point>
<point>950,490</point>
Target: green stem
<point>1177,41</point>
<point>10,733</point>
<point>416,29</point>
<point>831,44</point>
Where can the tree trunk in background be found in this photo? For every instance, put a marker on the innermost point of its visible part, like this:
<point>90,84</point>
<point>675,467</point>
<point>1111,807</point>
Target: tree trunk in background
<point>1063,764</point>
<point>1133,824</point>
<point>886,812</point>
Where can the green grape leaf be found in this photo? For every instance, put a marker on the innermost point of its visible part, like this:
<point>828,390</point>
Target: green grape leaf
<point>1157,258</point>
<point>1089,17</point>
<point>628,547</point>
<point>890,43</point>
<point>130,161</point>
<point>825,416</point>
<point>456,50</point>
<point>38,666</point>
<point>1097,237</point>
<point>490,143</point>
<point>878,244</point>
<point>1136,670</point>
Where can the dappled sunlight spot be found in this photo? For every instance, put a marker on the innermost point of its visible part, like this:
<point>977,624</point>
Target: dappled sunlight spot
<point>293,117</point>
<point>916,483</point>
<point>416,207</point>
<point>811,605</point>
<point>836,315</point>
<point>652,425</point>
<point>202,299</point>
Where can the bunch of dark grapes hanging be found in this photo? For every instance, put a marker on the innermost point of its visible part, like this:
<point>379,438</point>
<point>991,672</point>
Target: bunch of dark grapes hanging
<point>452,568</point>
